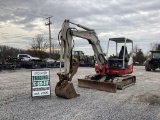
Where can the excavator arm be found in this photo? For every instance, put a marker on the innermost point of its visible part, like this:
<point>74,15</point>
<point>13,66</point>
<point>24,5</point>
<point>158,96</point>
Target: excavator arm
<point>88,34</point>
<point>66,42</point>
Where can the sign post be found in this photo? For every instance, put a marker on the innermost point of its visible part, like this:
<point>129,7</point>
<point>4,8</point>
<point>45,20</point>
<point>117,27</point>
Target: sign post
<point>40,83</point>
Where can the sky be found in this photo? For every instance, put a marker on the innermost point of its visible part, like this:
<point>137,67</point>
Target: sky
<point>138,20</point>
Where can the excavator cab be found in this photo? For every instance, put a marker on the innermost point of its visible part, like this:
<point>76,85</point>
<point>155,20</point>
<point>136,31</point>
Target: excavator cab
<point>120,63</point>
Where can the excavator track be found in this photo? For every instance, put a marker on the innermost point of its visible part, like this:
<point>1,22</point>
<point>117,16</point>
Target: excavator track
<point>124,81</point>
<point>109,86</point>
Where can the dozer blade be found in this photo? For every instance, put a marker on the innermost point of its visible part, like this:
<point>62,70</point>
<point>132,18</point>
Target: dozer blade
<point>93,84</point>
<point>117,83</point>
<point>65,90</point>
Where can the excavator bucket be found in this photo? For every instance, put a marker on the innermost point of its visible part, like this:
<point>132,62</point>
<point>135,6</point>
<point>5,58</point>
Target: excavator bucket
<point>93,84</point>
<point>64,87</point>
<point>65,90</point>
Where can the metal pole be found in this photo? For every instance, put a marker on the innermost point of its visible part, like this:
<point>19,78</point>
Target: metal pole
<point>124,53</point>
<point>50,44</point>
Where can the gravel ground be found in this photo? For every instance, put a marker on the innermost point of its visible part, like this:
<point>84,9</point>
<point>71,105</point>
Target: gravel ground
<point>138,102</point>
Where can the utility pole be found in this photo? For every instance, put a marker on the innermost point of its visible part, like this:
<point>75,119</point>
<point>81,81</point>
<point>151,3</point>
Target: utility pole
<point>49,23</point>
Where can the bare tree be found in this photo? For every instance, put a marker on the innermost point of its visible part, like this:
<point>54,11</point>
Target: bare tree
<point>135,48</point>
<point>138,55</point>
<point>56,47</point>
<point>40,48</point>
<point>39,45</point>
<point>155,46</point>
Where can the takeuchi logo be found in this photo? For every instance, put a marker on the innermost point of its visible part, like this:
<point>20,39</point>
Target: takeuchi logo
<point>40,73</point>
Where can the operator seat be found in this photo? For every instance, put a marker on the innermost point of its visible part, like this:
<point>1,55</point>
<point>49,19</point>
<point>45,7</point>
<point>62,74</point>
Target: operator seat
<point>122,53</point>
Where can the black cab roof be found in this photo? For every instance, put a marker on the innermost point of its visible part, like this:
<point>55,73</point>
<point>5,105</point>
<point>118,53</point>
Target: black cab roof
<point>121,40</point>
<point>155,51</point>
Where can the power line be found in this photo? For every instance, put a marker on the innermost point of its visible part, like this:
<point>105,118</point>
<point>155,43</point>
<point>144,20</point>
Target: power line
<point>21,11</point>
<point>7,35</point>
<point>25,11</point>
<point>18,35</point>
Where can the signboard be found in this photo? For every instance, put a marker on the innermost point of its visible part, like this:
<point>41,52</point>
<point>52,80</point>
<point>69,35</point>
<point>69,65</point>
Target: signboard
<point>40,83</point>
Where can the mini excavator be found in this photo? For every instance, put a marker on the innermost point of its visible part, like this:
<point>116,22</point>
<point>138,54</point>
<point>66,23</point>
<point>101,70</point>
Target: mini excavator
<point>111,73</point>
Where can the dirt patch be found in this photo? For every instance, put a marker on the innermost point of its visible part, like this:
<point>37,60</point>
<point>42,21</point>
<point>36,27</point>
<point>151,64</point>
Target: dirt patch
<point>152,99</point>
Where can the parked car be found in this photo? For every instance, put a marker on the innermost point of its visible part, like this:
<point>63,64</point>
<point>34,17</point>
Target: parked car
<point>49,60</point>
<point>26,57</point>
<point>35,64</point>
<point>51,63</point>
<point>58,63</point>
